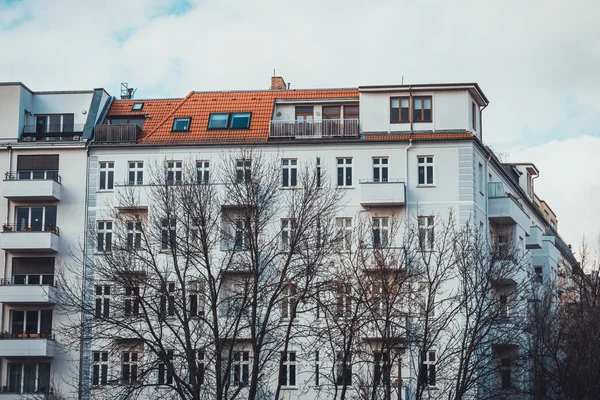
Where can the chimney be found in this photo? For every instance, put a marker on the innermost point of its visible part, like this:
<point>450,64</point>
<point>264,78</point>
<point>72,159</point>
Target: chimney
<point>277,83</point>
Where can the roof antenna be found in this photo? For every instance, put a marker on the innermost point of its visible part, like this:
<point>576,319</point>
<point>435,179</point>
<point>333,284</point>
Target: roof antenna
<point>127,93</point>
<point>274,73</point>
<point>402,80</point>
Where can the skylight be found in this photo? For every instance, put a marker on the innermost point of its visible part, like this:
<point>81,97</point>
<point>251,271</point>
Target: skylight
<point>182,124</point>
<point>229,121</point>
<point>137,106</point>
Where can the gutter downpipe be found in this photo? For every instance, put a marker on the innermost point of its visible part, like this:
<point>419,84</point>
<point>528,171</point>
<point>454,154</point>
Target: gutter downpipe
<point>84,280</point>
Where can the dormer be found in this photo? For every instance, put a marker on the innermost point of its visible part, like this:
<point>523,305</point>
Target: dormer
<point>435,108</point>
<point>528,172</point>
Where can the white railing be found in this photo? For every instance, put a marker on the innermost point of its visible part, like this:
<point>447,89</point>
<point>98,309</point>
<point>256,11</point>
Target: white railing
<point>314,129</point>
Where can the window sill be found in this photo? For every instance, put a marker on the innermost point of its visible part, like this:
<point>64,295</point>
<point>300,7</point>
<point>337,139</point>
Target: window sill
<point>345,187</point>
<point>290,387</point>
<point>431,388</point>
<point>289,187</point>
<point>426,186</point>
<point>424,121</point>
<point>105,190</point>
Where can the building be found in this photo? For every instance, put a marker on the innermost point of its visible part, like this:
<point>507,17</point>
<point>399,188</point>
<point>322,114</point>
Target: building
<point>394,153</point>
<point>43,137</point>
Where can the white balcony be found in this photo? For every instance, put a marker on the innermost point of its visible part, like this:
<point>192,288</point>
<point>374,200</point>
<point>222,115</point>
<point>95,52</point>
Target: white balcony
<point>506,211</point>
<point>380,194</point>
<point>27,347</point>
<point>21,186</point>
<point>27,294</point>
<point>534,240</point>
<point>314,129</point>
<point>33,241</point>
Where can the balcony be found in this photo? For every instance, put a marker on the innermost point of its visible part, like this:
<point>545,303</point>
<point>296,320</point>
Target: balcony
<point>382,194</point>
<point>27,345</point>
<point>32,185</point>
<point>117,133</point>
<point>28,289</point>
<point>16,238</point>
<point>534,240</point>
<point>52,133</point>
<point>506,211</point>
<point>314,129</point>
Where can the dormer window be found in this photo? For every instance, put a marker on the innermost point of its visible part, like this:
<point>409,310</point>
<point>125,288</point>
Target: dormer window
<point>137,106</point>
<point>181,124</point>
<point>229,121</point>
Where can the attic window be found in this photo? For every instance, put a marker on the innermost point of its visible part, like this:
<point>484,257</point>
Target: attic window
<point>137,106</point>
<point>181,124</point>
<point>229,121</point>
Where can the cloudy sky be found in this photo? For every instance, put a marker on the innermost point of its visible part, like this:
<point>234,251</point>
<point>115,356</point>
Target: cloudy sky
<point>536,60</point>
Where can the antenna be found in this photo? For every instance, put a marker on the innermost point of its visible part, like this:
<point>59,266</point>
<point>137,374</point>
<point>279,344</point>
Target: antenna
<point>127,93</point>
<point>274,73</point>
<point>402,80</point>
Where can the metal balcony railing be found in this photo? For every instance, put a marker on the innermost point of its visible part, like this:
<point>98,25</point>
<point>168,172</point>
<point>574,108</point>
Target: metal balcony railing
<point>32,175</point>
<point>29,279</point>
<point>41,335</point>
<point>116,133</point>
<point>314,129</point>
<point>53,129</point>
<point>30,228</point>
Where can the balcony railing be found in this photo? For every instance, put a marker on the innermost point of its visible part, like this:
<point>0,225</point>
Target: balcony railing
<point>32,175</point>
<point>29,279</point>
<point>30,228</point>
<point>33,133</point>
<point>42,335</point>
<point>314,129</point>
<point>116,133</point>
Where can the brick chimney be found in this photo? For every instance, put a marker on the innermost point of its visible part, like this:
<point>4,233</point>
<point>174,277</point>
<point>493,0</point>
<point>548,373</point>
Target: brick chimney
<point>277,83</point>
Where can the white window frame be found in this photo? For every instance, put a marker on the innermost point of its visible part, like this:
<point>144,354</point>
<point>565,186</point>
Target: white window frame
<point>426,232</point>
<point>137,169</point>
<point>342,369</point>
<point>287,229</point>
<point>289,172</point>
<point>167,298</point>
<point>202,171</point>
<point>164,375</point>
<point>106,175</point>
<point>168,233</point>
<point>344,230</point>
<point>243,168</point>
<point>131,301</point>
<point>423,299</point>
<point>130,363</point>
<point>196,290</point>
<point>381,165</point>
<point>175,169</point>
<point>343,299</point>
<point>319,177</point>
<point>241,227</point>
<point>102,301</point>
<point>241,362</point>
<point>382,226</point>
<point>426,164</point>
<point>430,367</point>
<point>384,363</point>
<point>134,234</point>
<point>288,301</point>
<point>289,370</point>
<point>344,170</point>
<point>100,368</point>
<point>104,236</point>
<point>480,178</point>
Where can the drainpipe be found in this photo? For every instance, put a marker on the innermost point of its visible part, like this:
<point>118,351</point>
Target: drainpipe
<point>82,343</point>
<point>406,175</point>
<point>409,107</point>
<point>481,121</point>
<point>487,200</point>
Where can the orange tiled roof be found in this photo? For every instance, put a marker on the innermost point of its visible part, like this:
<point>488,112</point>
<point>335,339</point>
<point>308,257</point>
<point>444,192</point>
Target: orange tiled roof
<point>199,105</point>
<point>407,136</point>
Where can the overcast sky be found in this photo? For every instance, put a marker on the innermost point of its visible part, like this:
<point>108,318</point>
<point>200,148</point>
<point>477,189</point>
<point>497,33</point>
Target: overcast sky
<point>537,61</point>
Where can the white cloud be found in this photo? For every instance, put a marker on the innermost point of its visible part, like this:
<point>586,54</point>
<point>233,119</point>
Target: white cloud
<point>568,182</point>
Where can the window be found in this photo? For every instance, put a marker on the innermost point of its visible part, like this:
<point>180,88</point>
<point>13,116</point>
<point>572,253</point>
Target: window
<point>243,170</point>
<point>240,121</point>
<point>426,233</point>
<point>136,172</point>
<point>229,120</point>
<point>343,299</point>
<point>317,365</point>
<point>167,299</point>
<point>380,169</point>
<point>288,302</point>
<point>30,377</point>
<point>425,165</point>
<point>289,172</point>
<point>304,114</point>
<point>344,233</point>
<point>382,368</point>
<point>168,234</point>
<point>331,112</point>
<point>343,369</point>
<point>196,298</point>
<point>381,229</point>
<point>174,172</point>
<point>181,124</point>
<point>137,106</point>
<point>351,112</point>
<point>134,235</point>
<point>202,171</point>
<point>100,368</point>
<point>399,109</point>
<point>240,368</point>
<point>503,306</point>
<point>129,367</point>
<point>54,123</point>
<point>480,178</point>
<point>319,183</point>
<point>425,293</point>
<point>102,301</point>
<point>287,230</point>
<point>422,109</point>
<point>107,175</point>
<point>474,116</point>
<point>104,236</point>
<point>539,275</point>
<point>287,372</point>
<point>36,219</point>
<point>165,368</point>
<point>344,171</point>
<point>241,233</point>
<point>31,322</point>
<point>427,371</point>
<point>496,189</point>
<point>131,301</point>
<point>201,366</point>
<point>505,373</point>
<point>37,167</point>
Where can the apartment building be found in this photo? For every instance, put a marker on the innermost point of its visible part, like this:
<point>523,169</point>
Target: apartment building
<point>397,152</point>
<point>43,138</point>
